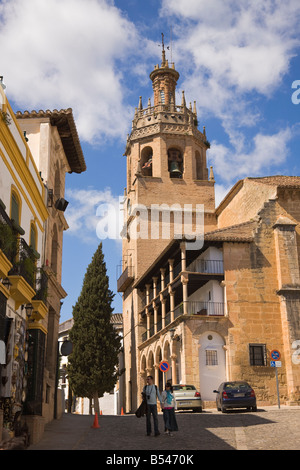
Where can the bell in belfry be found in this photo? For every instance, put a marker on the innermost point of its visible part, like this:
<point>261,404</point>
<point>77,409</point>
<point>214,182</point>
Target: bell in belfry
<point>175,170</point>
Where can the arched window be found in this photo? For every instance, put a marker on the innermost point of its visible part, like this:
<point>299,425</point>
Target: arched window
<point>15,208</point>
<point>33,237</point>
<point>146,161</point>
<point>175,163</point>
<point>15,211</point>
<point>54,250</point>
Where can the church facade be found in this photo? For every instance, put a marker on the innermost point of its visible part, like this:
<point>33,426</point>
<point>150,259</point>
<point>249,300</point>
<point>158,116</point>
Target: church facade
<point>212,291</point>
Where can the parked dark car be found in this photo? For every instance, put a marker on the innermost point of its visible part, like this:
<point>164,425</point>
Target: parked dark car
<point>236,394</point>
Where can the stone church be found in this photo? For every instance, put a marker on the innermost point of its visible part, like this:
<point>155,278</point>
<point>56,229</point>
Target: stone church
<point>211,290</point>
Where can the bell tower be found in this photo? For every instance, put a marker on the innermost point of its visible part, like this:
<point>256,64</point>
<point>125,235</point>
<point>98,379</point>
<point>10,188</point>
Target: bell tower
<point>166,167</point>
<point>166,161</point>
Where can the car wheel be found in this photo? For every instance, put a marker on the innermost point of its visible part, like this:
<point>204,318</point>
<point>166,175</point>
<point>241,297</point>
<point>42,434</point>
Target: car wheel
<point>223,409</point>
<point>254,408</point>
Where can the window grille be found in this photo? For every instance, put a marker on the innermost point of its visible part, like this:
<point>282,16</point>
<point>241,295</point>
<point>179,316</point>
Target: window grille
<point>257,354</point>
<point>211,357</point>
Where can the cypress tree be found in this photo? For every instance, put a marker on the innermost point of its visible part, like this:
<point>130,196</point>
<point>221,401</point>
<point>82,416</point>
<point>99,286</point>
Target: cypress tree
<point>92,367</point>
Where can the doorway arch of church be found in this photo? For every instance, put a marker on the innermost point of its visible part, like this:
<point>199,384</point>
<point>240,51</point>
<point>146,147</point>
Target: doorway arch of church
<point>212,363</point>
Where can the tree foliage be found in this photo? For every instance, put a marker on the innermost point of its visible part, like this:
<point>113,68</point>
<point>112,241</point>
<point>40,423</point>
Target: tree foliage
<point>93,363</point>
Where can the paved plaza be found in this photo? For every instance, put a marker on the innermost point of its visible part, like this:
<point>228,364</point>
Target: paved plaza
<point>269,428</point>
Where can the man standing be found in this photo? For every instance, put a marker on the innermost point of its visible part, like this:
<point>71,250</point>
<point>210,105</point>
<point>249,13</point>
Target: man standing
<point>151,392</point>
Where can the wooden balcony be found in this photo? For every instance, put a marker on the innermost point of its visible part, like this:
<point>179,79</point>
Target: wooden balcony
<point>126,278</point>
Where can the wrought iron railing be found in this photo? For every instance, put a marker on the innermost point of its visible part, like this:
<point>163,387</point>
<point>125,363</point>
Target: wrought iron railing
<point>206,266</point>
<point>206,308</point>
<point>8,236</point>
<point>25,263</point>
<point>41,285</point>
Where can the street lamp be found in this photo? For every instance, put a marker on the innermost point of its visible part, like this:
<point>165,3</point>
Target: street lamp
<point>29,310</point>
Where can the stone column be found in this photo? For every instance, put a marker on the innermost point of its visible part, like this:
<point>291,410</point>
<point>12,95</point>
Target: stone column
<point>184,281</point>
<point>163,313</point>
<point>173,362</point>
<point>171,265</point>
<point>148,315</point>
<point>155,318</point>
<point>183,256</point>
<point>172,302</point>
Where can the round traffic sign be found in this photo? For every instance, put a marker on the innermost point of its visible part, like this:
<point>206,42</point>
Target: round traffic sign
<point>275,355</point>
<point>164,366</point>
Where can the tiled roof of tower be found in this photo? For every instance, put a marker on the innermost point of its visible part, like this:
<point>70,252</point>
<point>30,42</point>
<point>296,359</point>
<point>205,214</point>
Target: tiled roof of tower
<point>64,121</point>
<point>116,318</point>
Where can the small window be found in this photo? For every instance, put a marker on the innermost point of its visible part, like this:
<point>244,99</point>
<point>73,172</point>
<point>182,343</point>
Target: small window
<point>33,237</point>
<point>257,354</point>
<point>15,208</point>
<point>211,357</point>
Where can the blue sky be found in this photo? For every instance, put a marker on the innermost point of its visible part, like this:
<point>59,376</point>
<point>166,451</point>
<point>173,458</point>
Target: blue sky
<point>237,58</point>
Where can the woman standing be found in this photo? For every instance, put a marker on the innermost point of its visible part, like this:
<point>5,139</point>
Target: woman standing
<point>169,406</point>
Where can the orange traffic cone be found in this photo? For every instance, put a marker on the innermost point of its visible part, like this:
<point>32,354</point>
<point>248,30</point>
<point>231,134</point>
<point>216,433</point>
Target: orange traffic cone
<point>96,424</point>
<point>122,412</point>
<point>100,412</point>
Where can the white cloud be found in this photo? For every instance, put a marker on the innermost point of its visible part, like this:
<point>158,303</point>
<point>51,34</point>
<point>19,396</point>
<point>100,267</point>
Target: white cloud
<point>267,150</point>
<point>64,53</point>
<point>232,53</point>
<point>86,214</point>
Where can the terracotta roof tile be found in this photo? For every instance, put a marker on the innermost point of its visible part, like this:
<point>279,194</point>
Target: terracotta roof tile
<point>243,232</point>
<point>64,121</point>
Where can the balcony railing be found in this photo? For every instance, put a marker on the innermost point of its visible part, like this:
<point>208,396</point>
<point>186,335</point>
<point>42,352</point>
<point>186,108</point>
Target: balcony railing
<point>8,236</point>
<point>206,308</point>
<point>41,285</point>
<point>24,264</point>
<point>125,279</point>
<point>206,266</point>
<point>216,309</point>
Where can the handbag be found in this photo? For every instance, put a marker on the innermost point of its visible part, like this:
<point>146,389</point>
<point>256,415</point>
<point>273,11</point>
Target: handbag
<point>142,409</point>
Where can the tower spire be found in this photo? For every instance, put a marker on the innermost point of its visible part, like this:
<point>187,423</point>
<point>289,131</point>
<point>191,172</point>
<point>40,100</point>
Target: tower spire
<point>163,57</point>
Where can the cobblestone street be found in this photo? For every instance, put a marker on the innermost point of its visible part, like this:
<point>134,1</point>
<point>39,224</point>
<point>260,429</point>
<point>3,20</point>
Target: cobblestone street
<point>269,428</point>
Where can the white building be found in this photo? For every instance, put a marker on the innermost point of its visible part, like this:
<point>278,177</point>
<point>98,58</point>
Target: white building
<point>112,402</point>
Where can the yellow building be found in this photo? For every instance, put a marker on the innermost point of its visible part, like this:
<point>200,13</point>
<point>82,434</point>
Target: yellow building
<point>215,307</point>
<point>23,214</point>
<point>37,149</point>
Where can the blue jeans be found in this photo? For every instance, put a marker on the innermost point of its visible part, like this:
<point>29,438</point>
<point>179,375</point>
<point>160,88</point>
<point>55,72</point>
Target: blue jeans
<point>152,410</point>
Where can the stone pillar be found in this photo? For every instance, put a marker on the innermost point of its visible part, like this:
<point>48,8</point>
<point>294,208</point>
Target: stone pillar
<point>162,272</point>
<point>154,287</point>
<point>163,313</point>
<point>148,286</point>
<point>148,315</point>
<point>172,302</point>
<point>171,265</point>
<point>183,256</point>
<point>185,294</point>
<point>155,318</point>
<point>173,362</point>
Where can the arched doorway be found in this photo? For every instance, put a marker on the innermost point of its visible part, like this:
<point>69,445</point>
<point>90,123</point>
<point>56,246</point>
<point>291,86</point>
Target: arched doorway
<point>212,363</point>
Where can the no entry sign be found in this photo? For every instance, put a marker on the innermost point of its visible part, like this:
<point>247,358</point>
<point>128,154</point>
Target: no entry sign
<point>164,366</point>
